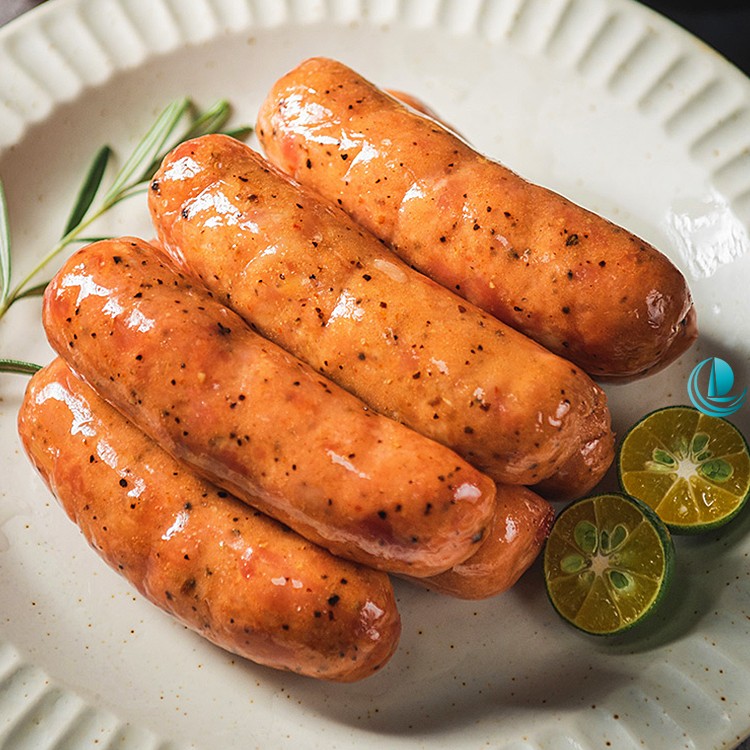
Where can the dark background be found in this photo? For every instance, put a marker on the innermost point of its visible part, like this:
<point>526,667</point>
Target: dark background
<point>723,24</point>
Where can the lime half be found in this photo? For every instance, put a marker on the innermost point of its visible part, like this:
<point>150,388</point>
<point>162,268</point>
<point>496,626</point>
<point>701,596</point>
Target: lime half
<point>692,469</point>
<point>607,563</point>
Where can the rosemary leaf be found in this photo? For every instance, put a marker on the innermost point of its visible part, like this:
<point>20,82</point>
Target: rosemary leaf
<point>89,189</point>
<point>89,240</point>
<point>136,189</point>
<point>18,367</point>
<point>5,262</point>
<point>210,121</point>
<point>241,133</point>
<point>147,149</point>
<point>34,291</point>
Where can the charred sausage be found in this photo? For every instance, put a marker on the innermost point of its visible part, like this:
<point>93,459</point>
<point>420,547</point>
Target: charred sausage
<point>257,421</point>
<point>307,277</point>
<point>240,579</point>
<point>581,286</point>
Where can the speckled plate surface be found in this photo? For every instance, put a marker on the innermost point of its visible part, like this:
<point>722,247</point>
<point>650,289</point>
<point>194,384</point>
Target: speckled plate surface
<point>599,99</point>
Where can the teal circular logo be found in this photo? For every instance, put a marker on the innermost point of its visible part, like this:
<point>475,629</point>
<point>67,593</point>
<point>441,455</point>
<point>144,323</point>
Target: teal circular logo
<point>716,401</point>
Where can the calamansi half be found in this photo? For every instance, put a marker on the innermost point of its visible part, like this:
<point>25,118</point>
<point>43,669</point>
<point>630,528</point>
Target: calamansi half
<point>692,469</point>
<point>607,563</point>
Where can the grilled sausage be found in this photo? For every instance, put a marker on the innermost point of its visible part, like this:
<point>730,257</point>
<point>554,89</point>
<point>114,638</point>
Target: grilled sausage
<point>307,277</point>
<point>581,286</point>
<point>519,529</point>
<point>419,106</point>
<point>240,579</point>
<point>257,421</point>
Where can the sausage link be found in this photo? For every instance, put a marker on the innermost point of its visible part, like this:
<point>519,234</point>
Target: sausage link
<point>311,280</point>
<point>419,106</point>
<point>576,283</point>
<point>257,421</point>
<point>520,527</point>
<point>228,572</point>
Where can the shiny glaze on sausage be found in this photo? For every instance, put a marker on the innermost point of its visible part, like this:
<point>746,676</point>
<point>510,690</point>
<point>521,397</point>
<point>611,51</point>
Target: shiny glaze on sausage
<point>257,421</point>
<point>310,279</point>
<point>518,532</point>
<point>578,284</point>
<point>225,570</point>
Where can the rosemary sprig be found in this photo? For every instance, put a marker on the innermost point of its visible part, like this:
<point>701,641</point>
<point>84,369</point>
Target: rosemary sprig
<point>88,189</point>
<point>146,152</point>
<point>132,178</point>
<point>18,367</point>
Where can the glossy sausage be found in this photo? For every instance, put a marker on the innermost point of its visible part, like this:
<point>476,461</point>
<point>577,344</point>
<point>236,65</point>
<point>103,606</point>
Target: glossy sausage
<point>257,421</point>
<point>419,106</point>
<point>518,532</point>
<point>581,286</point>
<point>240,579</point>
<point>307,277</point>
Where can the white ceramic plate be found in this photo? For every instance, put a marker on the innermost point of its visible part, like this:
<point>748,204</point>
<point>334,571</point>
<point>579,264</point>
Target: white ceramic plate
<point>599,99</point>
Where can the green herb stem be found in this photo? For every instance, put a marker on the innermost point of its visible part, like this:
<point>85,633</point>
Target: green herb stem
<point>132,179</point>
<point>19,367</point>
<point>19,289</point>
